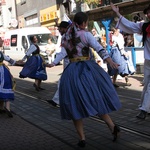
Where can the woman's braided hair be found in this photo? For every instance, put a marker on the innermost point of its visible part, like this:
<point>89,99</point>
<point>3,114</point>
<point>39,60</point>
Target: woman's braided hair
<point>79,18</point>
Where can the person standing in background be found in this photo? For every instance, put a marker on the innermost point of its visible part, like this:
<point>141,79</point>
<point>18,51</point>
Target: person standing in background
<point>1,43</point>
<point>97,58</point>
<point>50,49</point>
<point>96,35</point>
<point>130,40</point>
<point>103,41</point>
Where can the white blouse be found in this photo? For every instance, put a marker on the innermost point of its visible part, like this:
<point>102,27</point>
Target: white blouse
<point>88,40</point>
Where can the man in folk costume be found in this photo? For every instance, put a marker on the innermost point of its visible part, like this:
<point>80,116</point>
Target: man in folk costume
<point>132,27</point>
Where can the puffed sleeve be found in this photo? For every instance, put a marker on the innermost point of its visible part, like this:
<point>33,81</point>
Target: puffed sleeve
<point>129,26</point>
<point>8,59</point>
<point>92,42</point>
<point>59,56</point>
<point>29,52</point>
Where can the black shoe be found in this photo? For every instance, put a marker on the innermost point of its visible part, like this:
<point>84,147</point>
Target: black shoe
<point>82,143</point>
<point>41,88</point>
<point>36,87</point>
<point>9,113</point>
<point>115,85</point>
<point>53,103</point>
<point>128,84</point>
<point>2,111</point>
<point>116,132</point>
<point>142,114</point>
<point>142,83</point>
<point>21,76</point>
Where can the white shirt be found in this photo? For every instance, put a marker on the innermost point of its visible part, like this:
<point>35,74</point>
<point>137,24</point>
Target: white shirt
<point>30,51</point>
<point>8,59</point>
<point>118,40</point>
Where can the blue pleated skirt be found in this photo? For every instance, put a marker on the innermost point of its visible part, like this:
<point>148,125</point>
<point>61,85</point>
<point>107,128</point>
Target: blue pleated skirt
<point>6,91</point>
<point>125,64</point>
<point>34,68</point>
<point>86,90</point>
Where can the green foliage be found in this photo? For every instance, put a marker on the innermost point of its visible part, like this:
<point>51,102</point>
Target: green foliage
<point>89,1</point>
<point>90,25</point>
<point>129,16</point>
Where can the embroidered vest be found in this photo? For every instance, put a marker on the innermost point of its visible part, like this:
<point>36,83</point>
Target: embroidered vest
<point>37,50</point>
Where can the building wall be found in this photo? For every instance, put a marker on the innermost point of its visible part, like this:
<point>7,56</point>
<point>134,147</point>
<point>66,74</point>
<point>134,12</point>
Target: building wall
<point>32,4</point>
<point>8,13</point>
<point>7,16</point>
<point>28,11</point>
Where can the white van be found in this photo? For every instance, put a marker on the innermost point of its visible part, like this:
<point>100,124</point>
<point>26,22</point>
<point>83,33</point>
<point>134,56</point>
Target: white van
<point>16,42</point>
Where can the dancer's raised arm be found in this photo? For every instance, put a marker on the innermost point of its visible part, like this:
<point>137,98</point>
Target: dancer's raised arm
<point>115,9</point>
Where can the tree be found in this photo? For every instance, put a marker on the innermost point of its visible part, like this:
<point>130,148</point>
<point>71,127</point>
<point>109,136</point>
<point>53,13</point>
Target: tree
<point>89,2</point>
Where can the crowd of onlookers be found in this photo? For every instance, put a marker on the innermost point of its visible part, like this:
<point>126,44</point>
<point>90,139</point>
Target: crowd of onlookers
<point>128,38</point>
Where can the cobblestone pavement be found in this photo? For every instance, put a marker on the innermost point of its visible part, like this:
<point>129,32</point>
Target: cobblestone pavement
<point>37,125</point>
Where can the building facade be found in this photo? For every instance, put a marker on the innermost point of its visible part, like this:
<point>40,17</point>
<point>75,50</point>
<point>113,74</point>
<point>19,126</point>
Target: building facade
<point>28,11</point>
<point>7,17</point>
<point>41,13</point>
<point>8,14</point>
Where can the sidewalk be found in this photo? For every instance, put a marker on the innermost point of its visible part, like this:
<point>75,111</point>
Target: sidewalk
<point>37,125</point>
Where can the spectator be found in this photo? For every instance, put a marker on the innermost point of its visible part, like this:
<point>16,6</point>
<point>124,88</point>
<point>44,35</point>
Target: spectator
<point>50,50</point>
<point>95,34</point>
<point>130,40</point>
<point>1,42</point>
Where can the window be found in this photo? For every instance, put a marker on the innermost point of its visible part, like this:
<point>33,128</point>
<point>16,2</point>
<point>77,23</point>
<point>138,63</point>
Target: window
<point>13,40</point>
<point>31,20</point>
<point>42,39</point>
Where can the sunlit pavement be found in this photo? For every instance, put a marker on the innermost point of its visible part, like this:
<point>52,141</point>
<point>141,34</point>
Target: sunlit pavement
<point>38,125</point>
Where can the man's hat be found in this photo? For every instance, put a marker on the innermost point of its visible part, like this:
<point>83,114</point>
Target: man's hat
<point>63,24</point>
<point>146,9</point>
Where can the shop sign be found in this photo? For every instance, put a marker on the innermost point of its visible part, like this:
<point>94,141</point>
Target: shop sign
<point>48,16</point>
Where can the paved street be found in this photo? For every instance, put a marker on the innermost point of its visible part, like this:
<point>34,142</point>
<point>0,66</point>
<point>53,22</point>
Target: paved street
<point>36,124</point>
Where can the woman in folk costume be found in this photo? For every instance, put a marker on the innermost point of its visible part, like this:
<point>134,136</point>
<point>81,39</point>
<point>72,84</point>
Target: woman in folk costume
<point>85,88</point>
<point>7,85</point>
<point>35,67</point>
<point>121,57</point>
<point>140,27</point>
